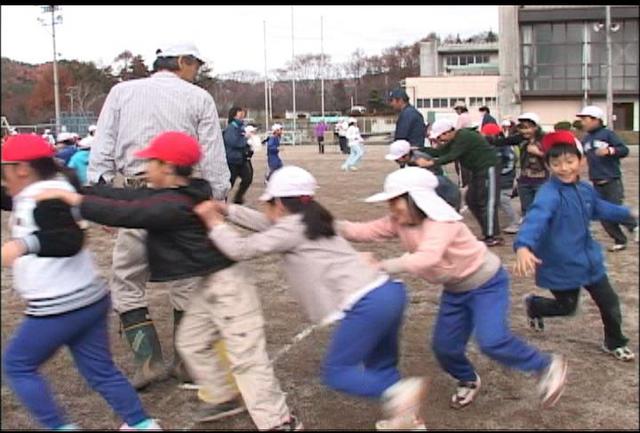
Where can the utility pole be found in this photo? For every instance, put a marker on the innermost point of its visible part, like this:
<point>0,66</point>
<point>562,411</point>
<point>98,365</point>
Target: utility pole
<point>609,67</point>
<point>266,80</point>
<point>293,71</point>
<point>322,68</point>
<point>54,20</point>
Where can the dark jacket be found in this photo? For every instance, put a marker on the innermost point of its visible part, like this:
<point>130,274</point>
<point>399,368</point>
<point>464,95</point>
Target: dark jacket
<point>470,148</point>
<point>507,159</point>
<point>410,126</point>
<point>533,169</point>
<point>556,230</point>
<point>235,144</point>
<point>487,119</point>
<point>604,167</point>
<point>273,153</point>
<point>178,245</point>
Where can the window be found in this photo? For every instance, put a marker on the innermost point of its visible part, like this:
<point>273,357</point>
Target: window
<point>436,103</point>
<point>444,102</point>
<point>419,103</point>
<point>452,101</point>
<point>427,103</point>
<point>490,101</point>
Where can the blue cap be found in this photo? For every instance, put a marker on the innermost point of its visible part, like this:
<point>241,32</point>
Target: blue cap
<point>399,94</point>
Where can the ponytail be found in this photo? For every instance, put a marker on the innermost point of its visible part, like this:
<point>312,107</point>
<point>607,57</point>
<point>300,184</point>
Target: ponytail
<point>318,220</point>
<point>48,168</point>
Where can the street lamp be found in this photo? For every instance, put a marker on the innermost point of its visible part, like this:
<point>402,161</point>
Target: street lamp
<point>52,9</point>
<point>609,28</point>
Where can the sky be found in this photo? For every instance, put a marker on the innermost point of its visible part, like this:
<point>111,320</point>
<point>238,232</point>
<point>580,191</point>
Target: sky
<point>230,38</point>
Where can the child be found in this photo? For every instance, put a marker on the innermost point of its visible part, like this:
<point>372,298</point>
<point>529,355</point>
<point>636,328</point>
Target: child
<point>355,143</point>
<point>555,237</point>
<point>79,161</point>
<point>68,302</point>
<point>273,149</point>
<point>442,250</point>
<point>604,149</point>
<point>533,172</point>
<point>225,306</point>
<point>333,283</point>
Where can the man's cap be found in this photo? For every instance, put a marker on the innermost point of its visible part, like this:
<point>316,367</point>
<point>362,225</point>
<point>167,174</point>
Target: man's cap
<point>591,111</point>
<point>26,147</point>
<point>276,127</point>
<point>459,104</point>
<point>531,117</point>
<point>180,49</point>
<point>173,147</point>
<point>559,137</point>
<point>397,150</point>
<point>440,127</point>
<point>491,129</point>
<point>290,181</point>
<point>399,94</point>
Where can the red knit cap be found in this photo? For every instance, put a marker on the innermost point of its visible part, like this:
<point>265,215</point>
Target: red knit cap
<point>559,137</point>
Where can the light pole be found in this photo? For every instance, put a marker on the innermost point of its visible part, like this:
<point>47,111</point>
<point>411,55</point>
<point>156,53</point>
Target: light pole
<point>608,28</point>
<point>52,9</point>
<point>293,82</point>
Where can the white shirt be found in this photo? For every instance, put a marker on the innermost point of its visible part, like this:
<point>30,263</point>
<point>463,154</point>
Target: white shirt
<point>353,135</point>
<point>136,111</point>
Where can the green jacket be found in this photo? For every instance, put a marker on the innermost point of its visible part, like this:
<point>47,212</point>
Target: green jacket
<point>470,148</point>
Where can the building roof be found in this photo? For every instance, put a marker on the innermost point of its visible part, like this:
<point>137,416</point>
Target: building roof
<point>468,47</point>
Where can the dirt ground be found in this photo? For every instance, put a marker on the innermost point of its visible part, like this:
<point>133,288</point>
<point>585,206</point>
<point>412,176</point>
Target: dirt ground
<point>602,393</point>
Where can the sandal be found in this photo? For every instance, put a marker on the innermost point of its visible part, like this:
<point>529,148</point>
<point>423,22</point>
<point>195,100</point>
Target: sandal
<point>621,353</point>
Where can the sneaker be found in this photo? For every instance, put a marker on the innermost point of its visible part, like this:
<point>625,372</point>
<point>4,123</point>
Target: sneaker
<point>622,353</point>
<point>405,422</point>
<point>465,393</point>
<point>404,397</point>
<point>617,247</point>
<point>636,232</point>
<point>353,168</point>
<point>493,241</point>
<point>511,229</point>
<point>292,425</point>
<point>212,412</point>
<point>535,323</point>
<point>553,381</point>
<point>147,424</point>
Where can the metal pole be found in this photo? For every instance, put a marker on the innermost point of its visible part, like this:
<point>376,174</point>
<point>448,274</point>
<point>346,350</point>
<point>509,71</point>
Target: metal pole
<point>266,80</point>
<point>270,100</point>
<point>56,96</point>
<point>322,68</point>
<point>293,71</point>
<point>609,68</point>
<point>585,63</point>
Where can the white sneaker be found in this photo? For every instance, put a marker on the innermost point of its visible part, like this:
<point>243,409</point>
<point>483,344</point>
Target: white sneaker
<point>405,397</point>
<point>617,247</point>
<point>636,232</point>
<point>553,381</point>
<point>353,168</point>
<point>149,424</point>
<point>411,423</point>
<point>465,393</point>
<point>512,229</point>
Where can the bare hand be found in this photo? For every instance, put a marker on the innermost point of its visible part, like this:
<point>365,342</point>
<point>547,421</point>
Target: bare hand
<point>526,262</point>
<point>602,151</point>
<point>534,150</point>
<point>424,162</point>
<point>11,250</point>
<point>71,198</point>
<point>211,212</point>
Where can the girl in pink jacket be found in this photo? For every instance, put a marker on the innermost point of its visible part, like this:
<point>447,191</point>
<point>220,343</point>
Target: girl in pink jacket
<point>442,250</point>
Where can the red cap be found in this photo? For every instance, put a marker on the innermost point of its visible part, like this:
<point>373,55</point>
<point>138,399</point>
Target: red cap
<point>559,137</point>
<point>26,147</point>
<point>173,147</point>
<point>491,129</point>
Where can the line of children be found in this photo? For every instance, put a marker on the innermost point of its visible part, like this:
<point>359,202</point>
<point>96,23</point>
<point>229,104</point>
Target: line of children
<point>225,305</point>
<point>333,283</point>
<point>68,303</point>
<point>554,241</point>
<point>442,250</point>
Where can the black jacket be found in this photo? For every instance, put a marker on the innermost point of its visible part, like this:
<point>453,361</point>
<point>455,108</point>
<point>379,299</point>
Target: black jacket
<point>178,245</point>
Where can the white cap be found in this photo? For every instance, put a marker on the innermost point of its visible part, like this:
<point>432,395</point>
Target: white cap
<point>64,136</point>
<point>276,126</point>
<point>441,126</point>
<point>180,49</point>
<point>250,128</point>
<point>460,104</point>
<point>506,122</point>
<point>290,181</point>
<point>92,128</point>
<point>86,142</point>
<point>421,185</point>
<point>531,117</point>
<point>397,150</point>
<point>351,120</point>
<point>591,111</point>
<point>47,131</point>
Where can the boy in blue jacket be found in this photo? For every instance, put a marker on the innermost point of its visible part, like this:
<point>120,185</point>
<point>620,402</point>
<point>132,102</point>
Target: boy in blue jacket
<point>604,150</point>
<point>273,149</point>
<point>554,242</point>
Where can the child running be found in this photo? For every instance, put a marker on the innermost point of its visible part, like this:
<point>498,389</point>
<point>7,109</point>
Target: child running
<point>555,243</point>
<point>355,143</point>
<point>442,250</point>
<point>68,302</point>
<point>224,307</point>
<point>333,283</point>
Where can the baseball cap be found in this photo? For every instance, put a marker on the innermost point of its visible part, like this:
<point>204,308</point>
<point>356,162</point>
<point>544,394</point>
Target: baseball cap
<point>460,104</point>
<point>491,129</point>
<point>399,94</point>
<point>65,136</point>
<point>441,126</point>
<point>290,181</point>
<point>397,150</point>
<point>276,126</point>
<point>591,111</point>
<point>506,122</point>
<point>531,117</point>
<point>86,142</point>
<point>180,49</point>
<point>250,128</point>
<point>26,147</point>
<point>421,185</point>
<point>173,147</point>
<point>92,128</point>
<point>559,137</point>
<point>351,120</point>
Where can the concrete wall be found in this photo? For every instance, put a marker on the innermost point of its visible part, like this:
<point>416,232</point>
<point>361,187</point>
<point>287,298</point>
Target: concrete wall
<point>509,61</point>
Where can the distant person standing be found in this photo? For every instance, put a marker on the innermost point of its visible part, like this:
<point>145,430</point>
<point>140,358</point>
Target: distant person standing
<point>487,118</point>
<point>410,124</point>
<point>273,149</point>
<point>65,147</point>
<point>319,131</point>
<point>464,118</point>
<point>341,128</point>
<point>80,160</point>
<point>239,153</point>
<point>533,170</point>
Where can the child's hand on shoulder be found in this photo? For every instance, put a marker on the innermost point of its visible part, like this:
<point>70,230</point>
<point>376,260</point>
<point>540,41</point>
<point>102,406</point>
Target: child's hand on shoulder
<point>526,262</point>
<point>11,250</point>
<point>70,198</point>
<point>211,212</point>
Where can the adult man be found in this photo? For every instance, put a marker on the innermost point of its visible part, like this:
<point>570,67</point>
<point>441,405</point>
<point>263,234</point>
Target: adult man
<point>487,118</point>
<point>477,156</point>
<point>410,124</point>
<point>239,153</point>
<point>133,113</point>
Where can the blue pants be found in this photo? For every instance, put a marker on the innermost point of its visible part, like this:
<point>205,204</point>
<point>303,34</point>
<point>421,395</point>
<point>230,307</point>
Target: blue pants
<point>85,332</point>
<point>355,154</point>
<point>362,358</point>
<point>485,310</point>
<point>527,193</point>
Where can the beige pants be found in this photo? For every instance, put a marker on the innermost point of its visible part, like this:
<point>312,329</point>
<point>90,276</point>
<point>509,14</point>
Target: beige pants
<point>131,273</point>
<point>227,307</point>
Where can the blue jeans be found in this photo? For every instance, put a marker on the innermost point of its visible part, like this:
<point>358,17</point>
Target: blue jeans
<point>527,193</point>
<point>484,310</point>
<point>85,332</point>
<point>356,152</point>
<point>362,358</point>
